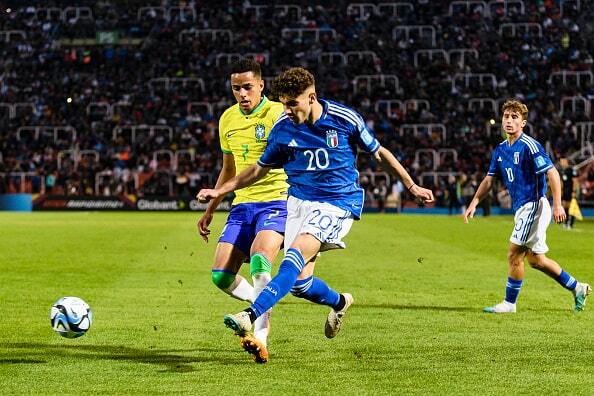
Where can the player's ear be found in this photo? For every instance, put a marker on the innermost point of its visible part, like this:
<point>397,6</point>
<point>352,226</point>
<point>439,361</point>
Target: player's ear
<point>524,123</point>
<point>312,97</point>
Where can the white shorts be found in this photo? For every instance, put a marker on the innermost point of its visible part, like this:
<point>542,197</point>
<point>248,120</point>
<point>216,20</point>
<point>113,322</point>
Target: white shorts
<point>326,222</point>
<point>532,220</point>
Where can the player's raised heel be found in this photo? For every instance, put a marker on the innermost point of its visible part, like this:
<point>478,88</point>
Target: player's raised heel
<point>240,323</point>
<point>255,347</point>
<point>502,307</point>
<point>582,291</point>
<point>334,320</point>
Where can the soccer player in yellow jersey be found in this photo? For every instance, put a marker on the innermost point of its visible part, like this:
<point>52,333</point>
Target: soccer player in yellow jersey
<point>256,223</point>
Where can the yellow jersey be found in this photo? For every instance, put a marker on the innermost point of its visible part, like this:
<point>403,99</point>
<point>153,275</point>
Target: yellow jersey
<point>245,136</point>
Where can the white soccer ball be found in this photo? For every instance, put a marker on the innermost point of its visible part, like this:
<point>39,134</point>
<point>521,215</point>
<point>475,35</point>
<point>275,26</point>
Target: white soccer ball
<point>71,317</point>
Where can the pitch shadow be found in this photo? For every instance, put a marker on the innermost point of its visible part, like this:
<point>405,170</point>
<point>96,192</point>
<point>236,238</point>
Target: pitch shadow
<point>30,353</point>
<point>418,307</point>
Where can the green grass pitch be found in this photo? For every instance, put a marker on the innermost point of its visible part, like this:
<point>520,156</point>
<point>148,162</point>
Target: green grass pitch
<point>417,327</point>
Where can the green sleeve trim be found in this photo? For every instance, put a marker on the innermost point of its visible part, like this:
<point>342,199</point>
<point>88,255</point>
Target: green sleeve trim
<point>226,151</point>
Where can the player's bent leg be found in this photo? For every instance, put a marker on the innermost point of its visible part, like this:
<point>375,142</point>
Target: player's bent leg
<point>241,323</point>
<point>550,267</point>
<point>228,260</point>
<point>278,287</point>
<point>541,262</point>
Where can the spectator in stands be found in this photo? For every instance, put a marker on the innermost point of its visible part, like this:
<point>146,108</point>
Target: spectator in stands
<point>380,193</point>
<point>136,80</point>
<point>454,195</point>
<point>569,189</point>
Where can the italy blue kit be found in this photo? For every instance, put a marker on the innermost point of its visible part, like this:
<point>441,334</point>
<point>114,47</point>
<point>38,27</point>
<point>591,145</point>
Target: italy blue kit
<point>522,167</point>
<point>319,158</point>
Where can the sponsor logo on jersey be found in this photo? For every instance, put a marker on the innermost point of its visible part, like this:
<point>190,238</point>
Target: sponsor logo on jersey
<point>332,138</point>
<point>260,131</point>
<point>539,161</point>
<point>499,159</point>
<point>293,143</point>
<point>516,158</point>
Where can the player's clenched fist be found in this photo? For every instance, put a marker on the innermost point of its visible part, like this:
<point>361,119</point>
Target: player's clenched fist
<point>206,194</point>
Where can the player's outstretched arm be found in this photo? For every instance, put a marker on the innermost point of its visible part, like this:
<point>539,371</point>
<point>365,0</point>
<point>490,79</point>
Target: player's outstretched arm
<point>388,162</point>
<point>227,172</point>
<point>248,177</point>
<point>481,191</point>
<point>555,183</point>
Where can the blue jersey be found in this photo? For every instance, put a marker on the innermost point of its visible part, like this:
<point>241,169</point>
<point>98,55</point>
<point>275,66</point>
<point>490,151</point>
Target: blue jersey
<point>319,159</point>
<point>522,167</point>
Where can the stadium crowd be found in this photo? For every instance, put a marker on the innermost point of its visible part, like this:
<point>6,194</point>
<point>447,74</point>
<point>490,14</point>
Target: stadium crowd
<point>123,97</point>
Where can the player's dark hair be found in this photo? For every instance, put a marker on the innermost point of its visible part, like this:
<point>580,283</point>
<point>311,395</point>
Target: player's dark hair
<point>245,65</point>
<point>292,82</point>
<point>515,106</point>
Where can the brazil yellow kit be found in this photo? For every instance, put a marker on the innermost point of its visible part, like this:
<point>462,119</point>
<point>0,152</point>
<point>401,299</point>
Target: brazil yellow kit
<point>245,136</point>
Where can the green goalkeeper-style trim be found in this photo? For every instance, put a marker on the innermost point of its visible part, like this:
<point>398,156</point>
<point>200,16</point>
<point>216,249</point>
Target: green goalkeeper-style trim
<point>222,279</point>
<point>259,263</point>
<point>226,152</point>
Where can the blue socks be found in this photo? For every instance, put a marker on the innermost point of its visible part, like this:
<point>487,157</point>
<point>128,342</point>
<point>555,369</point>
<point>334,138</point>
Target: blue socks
<point>512,289</point>
<point>566,280</point>
<point>317,291</point>
<point>280,285</point>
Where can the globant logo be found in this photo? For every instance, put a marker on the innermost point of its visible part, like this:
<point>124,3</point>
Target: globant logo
<point>197,205</point>
<point>145,204</point>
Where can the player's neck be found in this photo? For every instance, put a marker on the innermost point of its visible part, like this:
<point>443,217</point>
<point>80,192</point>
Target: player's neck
<point>511,138</point>
<point>256,108</point>
<point>316,112</point>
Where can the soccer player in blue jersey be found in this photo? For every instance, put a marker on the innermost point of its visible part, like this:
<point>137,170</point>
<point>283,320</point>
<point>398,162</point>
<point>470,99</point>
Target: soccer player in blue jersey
<point>315,141</point>
<point>256,223</point>
<point>524,167</point>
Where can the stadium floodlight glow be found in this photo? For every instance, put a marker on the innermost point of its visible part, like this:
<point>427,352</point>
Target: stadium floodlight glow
<point>492,121</point>
<point>8,10</point>
<point>69,100</point>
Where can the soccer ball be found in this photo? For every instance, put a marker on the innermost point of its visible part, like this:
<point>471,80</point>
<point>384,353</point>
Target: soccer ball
<point>71,317</point>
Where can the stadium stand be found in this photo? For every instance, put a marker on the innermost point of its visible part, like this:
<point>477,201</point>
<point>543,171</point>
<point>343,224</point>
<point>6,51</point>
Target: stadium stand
<point>123,97</point>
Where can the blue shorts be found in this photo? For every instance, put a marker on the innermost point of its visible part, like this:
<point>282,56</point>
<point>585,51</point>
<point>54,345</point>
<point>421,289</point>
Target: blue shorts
<point>246,220</point>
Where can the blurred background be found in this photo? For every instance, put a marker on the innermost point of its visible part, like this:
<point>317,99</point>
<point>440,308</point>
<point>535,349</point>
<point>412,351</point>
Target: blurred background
<point>121,99</point>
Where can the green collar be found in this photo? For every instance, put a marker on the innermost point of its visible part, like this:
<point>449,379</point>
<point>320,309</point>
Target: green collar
<point>257,108</point>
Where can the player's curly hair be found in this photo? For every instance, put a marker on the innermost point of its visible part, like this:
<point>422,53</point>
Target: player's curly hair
<point>515,106</point>
<point>292,82</point>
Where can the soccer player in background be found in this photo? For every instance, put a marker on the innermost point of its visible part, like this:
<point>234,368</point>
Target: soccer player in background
<point>570,185</point>
<point>522,163</point>
<point>256,223</point>
<point>315,141</point>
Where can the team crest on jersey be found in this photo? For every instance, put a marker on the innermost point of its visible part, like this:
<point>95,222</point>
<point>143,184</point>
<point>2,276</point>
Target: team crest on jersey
<point>332,138</point>
<point>516,158</point>
<point>260,131</point>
